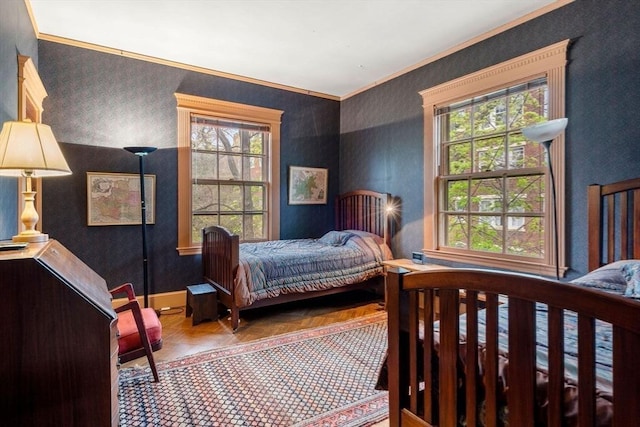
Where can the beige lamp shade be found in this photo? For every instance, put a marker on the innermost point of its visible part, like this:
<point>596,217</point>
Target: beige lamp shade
<point>30,148</point>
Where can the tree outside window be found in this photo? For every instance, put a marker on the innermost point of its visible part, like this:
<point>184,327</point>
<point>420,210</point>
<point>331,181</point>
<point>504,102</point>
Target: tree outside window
<point>229,177</point>
<point>492,175</point>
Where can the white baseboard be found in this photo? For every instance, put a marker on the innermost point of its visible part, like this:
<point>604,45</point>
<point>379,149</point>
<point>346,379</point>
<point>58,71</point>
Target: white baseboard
<point>159,301</point>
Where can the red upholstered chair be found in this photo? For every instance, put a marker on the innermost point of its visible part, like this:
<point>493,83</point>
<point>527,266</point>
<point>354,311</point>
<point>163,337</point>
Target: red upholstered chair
<point>139,329</point>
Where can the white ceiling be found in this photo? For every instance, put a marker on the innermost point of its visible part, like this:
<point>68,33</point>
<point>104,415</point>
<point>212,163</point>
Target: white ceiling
<point>331,47</point>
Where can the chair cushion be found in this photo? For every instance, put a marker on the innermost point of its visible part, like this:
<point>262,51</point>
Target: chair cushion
<point>129,338</point>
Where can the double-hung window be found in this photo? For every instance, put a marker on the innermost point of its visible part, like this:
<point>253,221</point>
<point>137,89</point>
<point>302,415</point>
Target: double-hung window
<point>228,168</point>
<point>487,197</point>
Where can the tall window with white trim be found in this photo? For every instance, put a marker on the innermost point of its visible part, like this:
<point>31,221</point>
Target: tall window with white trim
<point>487,194</point>
<point>228,170</point>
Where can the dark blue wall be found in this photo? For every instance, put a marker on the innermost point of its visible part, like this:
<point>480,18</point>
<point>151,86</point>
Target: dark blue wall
<point>381,143</point>
<point>99,103</point>
<point>16,38</point>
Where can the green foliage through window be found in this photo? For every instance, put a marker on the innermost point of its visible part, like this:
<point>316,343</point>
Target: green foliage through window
<point>493,179</point>
<point>229,177</point>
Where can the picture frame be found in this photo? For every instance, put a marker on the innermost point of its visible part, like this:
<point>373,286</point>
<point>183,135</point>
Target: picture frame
<point>307,186</point>
<point>114,199</point>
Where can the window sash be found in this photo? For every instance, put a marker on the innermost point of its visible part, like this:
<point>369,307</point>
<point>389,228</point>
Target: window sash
<point>230,154</point>
<point>489,157</point>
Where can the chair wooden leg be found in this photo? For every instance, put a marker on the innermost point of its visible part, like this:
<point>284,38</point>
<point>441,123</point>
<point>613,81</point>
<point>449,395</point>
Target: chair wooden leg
<point>144,339</point>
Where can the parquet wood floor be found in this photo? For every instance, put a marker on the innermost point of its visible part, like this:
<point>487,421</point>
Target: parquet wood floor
<point>180,338</point>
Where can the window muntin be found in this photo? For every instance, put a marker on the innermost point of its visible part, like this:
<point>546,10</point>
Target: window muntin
<point>491,173</point>
<point>229,177</point>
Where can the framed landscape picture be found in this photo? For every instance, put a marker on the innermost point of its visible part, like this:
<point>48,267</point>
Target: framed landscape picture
<point>114,198</point>
<point>307,186</point>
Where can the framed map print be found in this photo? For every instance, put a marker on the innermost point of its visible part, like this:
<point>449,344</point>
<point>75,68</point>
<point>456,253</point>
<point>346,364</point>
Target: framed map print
<point>114,198</point>
<point>307,186</point>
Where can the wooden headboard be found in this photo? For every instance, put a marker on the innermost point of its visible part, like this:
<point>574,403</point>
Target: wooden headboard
<point>614,222</point>
<point>364,210</point>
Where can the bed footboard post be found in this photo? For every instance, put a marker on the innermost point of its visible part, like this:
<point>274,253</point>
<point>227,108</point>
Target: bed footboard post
<point>394,285</point>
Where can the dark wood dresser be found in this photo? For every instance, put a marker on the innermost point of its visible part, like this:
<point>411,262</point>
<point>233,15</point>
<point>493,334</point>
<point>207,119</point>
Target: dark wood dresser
<point>58,335</point>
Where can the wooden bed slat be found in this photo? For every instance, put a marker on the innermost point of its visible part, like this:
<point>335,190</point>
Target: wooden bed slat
<point>611,228</point>
<point>586,371</point>
<point>449,343</point>
<point>414,334</point>
<point>428,340</point>
<point>636,224</point>
<point>626,382</point>
<point>492,360</point>
<point>471,349</point>
<point>624,227</point>
<point>555,396</point>
<point>522,364</point>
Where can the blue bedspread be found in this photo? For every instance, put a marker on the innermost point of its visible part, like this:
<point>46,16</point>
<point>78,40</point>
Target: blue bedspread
<point>268,269</point>
<point>619,278</point>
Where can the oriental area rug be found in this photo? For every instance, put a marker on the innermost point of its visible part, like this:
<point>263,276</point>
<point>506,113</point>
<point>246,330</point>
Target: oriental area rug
<point>317,377</point>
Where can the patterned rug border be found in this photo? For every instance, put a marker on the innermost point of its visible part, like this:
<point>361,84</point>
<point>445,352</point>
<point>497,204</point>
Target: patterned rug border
<point>376,409</point>
<point>255,345</point>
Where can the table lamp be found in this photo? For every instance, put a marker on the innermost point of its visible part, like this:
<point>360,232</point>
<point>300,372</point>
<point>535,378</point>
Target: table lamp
<point>544,133</point>
<point>29,149</point>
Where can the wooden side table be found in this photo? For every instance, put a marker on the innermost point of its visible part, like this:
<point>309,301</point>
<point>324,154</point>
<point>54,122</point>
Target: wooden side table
<point>202,302</point>
<point>410,265</point>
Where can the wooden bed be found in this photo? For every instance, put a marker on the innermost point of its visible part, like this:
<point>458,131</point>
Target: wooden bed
<point>361,210</point>
<point>431,383</point>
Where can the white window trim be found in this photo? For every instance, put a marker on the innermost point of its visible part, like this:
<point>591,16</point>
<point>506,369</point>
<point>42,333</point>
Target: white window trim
<point>190,104</point>
<point>550,62</point>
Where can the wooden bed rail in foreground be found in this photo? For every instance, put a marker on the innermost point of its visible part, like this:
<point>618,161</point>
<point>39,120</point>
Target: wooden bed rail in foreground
<point>407,363</point>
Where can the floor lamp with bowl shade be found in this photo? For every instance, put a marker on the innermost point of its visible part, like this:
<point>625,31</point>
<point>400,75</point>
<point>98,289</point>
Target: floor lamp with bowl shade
<point>544,133</point>
<point>142,152</point>
<point>30,150</point>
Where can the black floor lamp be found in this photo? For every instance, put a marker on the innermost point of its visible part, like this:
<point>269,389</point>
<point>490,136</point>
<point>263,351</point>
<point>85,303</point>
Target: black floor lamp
<point>142,152</point>
<point>544,133</point>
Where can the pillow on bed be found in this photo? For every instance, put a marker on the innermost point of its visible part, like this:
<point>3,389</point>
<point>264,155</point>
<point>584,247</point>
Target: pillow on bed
<point>378,239</point>
<point>631,273</point>
<point>335,238</point>
<point>607,278</point>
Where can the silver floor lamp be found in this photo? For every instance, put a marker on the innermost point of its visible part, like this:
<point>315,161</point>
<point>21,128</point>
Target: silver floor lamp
<point>545,133</point>
<point>142,152</point>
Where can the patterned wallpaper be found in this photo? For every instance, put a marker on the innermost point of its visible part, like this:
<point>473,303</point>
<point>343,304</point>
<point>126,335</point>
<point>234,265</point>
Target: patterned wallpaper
<point>381,129</point>
<point>99,103</point>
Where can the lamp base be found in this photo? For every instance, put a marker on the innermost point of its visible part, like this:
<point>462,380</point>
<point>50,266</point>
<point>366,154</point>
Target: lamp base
<point>30,237</point>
